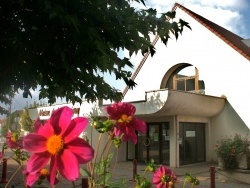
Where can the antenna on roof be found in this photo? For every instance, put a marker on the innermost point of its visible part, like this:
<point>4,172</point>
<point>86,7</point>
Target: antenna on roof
<point>246,42</point>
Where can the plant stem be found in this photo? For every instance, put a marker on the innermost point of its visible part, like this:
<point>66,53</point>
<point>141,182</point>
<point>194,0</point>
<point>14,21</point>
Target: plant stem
<point>106,145</point>
<point>96,155</point>
<point>184,184</point>
<point>73,183</point>
<point>13,176</point>
<point>116,159</point>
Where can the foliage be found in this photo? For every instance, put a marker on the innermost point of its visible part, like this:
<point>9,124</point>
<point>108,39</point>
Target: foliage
<point>228,148</point>
<point>142,182</point>
<point>11,118</point>
<point>4,128</point>
<point>14,143</point>
<point>191,179</point>
<point>5,99</point>
<point>35,105</point>
<point>66,47</point>
<point>102,170</point>
<point>25,121</point>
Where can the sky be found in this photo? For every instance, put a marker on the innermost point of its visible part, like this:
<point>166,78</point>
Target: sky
<point>233,15</point>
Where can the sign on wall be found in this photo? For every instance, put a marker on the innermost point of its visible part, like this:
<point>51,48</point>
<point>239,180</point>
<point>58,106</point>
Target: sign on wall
<point>190,133</point>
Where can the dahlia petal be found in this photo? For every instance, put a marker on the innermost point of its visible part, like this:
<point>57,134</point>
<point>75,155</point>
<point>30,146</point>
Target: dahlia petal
<point>37,125</point>
<point>112,113</point>
<point>75,128</point>
<point>37,161</point>
<point>130,135</point>
<point>139,125</point>
<point>161,185</point>
<point>128,108</point>
<point>53,171</point>
<point>69,170</point>
<point>60,119</point>
<point>117,131</point>
<point>45,130</point>
<point>82,150</point>
<point>34,143</point>
<point>32,178</point>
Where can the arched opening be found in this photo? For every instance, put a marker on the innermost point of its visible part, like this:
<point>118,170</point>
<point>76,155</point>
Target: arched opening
<point>183,77</point>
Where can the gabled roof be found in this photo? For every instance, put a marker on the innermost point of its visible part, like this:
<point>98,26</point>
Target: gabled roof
<point>227,36</point>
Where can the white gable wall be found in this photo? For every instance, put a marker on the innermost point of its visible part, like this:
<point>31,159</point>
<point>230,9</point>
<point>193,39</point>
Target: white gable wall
<point>224,70</point>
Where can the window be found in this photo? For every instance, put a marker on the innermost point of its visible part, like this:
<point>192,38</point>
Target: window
<point>186,79</point>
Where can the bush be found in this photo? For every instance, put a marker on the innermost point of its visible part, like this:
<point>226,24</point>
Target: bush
<point>228,148</point>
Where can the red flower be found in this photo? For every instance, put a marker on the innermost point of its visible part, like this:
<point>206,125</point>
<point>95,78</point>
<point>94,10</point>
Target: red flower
<point>164,177</point>
<point>38,177</point>
<point>13,141</point>
<point>126,124</point>
<point>58,141</point>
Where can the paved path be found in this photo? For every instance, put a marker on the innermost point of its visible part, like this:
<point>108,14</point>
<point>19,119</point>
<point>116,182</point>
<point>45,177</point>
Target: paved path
<point>124,171</point>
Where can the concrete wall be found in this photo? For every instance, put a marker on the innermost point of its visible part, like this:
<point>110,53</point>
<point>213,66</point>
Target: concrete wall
<point>223,69</point>
<point>227,123</point>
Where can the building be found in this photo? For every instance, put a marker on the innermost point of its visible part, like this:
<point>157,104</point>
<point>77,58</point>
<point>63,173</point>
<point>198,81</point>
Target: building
<point>186,113</point>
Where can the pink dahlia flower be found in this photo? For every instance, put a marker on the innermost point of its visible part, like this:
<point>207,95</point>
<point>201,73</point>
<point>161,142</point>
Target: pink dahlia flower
<point>58,141</point>
<point>38,177</point>
<point>126,124</point>
<point>13,141</point>
<point>164,178</point>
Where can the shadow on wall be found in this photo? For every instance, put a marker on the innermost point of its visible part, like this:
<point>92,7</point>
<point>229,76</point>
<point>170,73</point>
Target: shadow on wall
<point>152,103</point>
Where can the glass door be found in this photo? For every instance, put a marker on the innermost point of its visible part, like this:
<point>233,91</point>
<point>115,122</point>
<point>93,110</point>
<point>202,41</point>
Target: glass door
<point>154,144</point>
<point>192,143</point>
<point>165,144</point>
<point>141,148</point>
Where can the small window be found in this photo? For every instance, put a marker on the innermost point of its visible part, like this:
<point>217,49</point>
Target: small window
<point>187,79</point>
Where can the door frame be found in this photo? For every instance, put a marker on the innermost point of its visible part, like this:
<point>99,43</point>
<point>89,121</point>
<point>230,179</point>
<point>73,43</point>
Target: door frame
<point>160,141</point>
<point>192,133</point>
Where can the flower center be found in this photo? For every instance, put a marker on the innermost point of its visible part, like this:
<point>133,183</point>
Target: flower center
<point>44,172</point>
<point>13,139</point>
<point>125,118</point>
<point>54,144</point>
<point>164,179</point>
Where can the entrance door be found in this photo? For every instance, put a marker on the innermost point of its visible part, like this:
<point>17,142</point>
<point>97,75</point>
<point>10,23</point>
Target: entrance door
<point>154,144</point>
<point>154,133</point>
<point>192,143</point>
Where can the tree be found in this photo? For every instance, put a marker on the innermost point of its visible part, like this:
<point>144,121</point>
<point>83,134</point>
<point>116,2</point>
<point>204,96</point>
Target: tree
<point>25,121</point>
<point>9,122</point>
<point>65,47</point>
<point>6,99</point>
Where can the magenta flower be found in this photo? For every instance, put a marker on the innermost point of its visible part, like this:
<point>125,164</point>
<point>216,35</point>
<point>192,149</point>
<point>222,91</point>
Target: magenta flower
<point>38,177</point>
<point>164,178</point>
<point>58,142</point>
<point>13,141</point>
<point>126,124</point>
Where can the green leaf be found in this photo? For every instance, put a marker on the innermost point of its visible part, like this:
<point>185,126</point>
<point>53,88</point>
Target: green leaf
<point>77,40</point>
<point>84,172</point>
<point>170,14</point>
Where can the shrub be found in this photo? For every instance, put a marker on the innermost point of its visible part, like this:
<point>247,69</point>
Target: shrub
<point>228,148</point>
